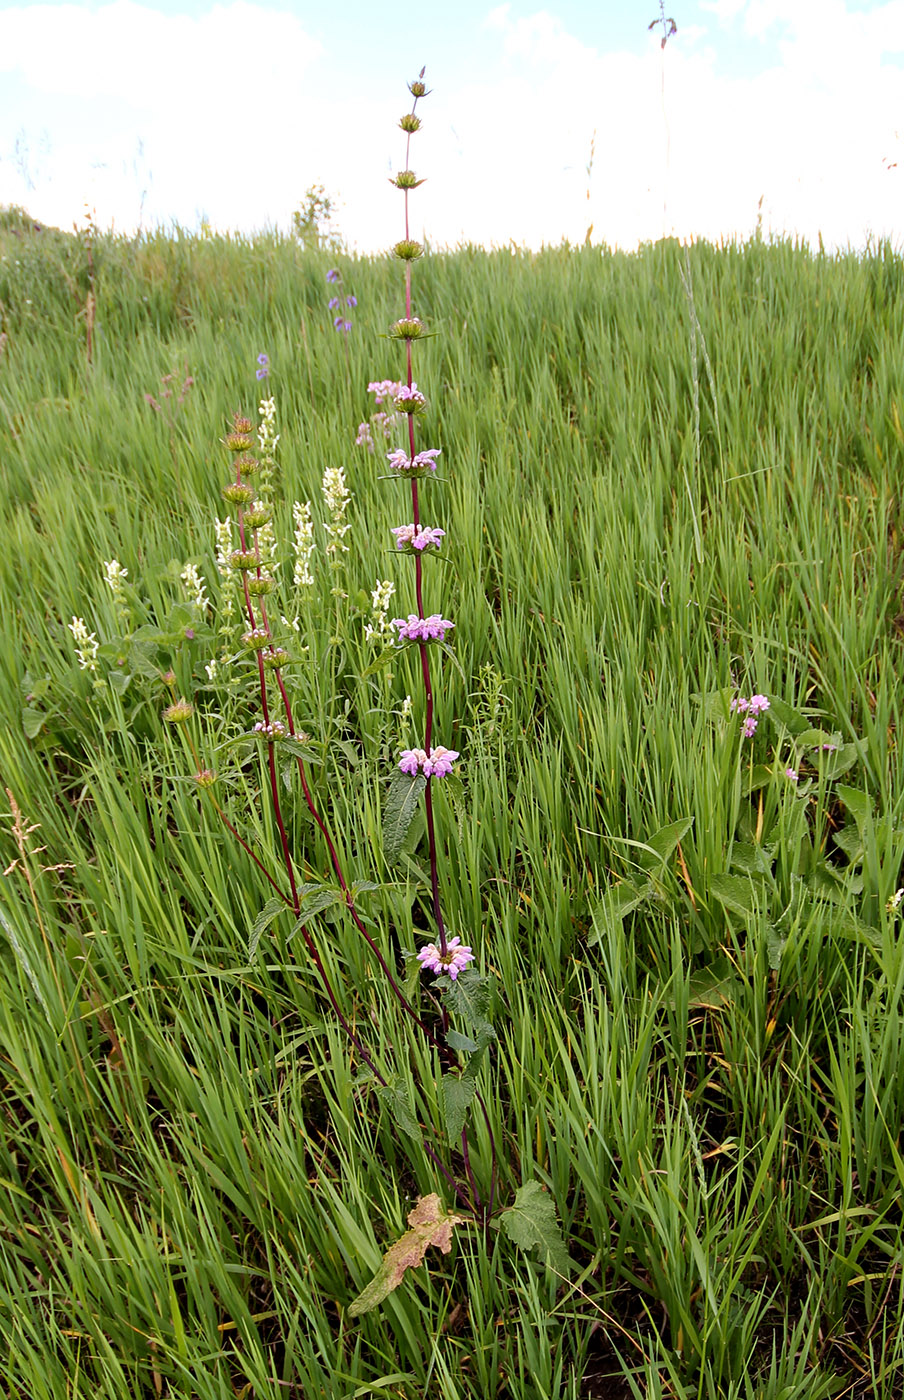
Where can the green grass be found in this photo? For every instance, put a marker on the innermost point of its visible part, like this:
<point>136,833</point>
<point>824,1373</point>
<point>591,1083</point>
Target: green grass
<point>699,1025</point>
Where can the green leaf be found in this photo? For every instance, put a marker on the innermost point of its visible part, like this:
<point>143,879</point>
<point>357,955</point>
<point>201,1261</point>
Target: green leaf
<point>33,721</point>
<point>469,998</point>
<point>759,776</point>
<point>664,842</point>
<point>456,1041</point>
<point>858,803</point>
<point>775,946</point>
<point>401,808</point>
<point>457,1096</point>
<point>793,721</point>
<point>395,1096</point>
<point>298,750</point>
<point>713,987</point>
<point>531,1224</point>
<point>752,858</point>
<point>313,900</point>
<point>615,903</point>
<point>735,893</point>
<point>431,1224</point>
<point>265,918</point>
<point>445,648</point>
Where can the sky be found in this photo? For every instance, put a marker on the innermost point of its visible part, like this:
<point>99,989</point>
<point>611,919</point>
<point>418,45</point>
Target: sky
<point>542,120</point>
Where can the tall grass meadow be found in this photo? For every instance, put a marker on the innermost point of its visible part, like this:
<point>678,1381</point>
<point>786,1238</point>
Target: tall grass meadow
<point>452,841</point>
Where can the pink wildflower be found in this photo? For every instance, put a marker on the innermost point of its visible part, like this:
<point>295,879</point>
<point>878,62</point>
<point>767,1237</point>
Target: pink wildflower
<point>385,389</point>
<point>417,537</point>
<point>422,629</point>
<point>399,461</point>
<point>791,774</point>
<point>452,962</point>
<point>438,764</point>
<point>749,727</point>
<point>412,760</point>
<point>758,703</point>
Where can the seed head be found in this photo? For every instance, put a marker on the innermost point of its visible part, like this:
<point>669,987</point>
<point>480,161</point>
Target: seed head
<point>243,559</point>
<point>276,657</point>
<point>259,514</point>
<point>247,464</point>
<point>406,179</point>
<point>205,778</point>
<point>410,122</point>
<point>259,586</point>
<point>238,494</point>
<point>409,328</point>
<point>408,249</point>
<point>256,639</point>
<point>238,442</point>
<point>178,712</point>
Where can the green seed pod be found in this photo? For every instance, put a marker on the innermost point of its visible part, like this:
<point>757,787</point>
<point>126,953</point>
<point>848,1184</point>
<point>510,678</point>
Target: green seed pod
<point>409,328</point>
<point>258,586</point>
<point>276,657</point>
<point>179,712</point>
<point>410,122</point>
<point>256,639</point>
<point>408,249</point>
<point>406,180</point>
<point>259,514</point>
<point>237,494</point>
<point>243,559</point>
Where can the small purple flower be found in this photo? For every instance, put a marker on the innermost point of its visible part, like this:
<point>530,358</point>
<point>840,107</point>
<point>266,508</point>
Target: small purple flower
<point>422,629</point>
<point>340,324</point>
<point>333,303</point>
<point>830,748</point>
<point>749,727</point>
<point>791,774</point>
<point>417,537</point>
<point>423,462</point>
<point>275,730</point>
<point>334,275</point>
<point>384,389</point>
<point>738,705</point>
<point>412,760</point>
<point>437,764</point>
<point>452,962</point>
<point>351,301</point>
<point>758,703</point>
<point>410,400</point>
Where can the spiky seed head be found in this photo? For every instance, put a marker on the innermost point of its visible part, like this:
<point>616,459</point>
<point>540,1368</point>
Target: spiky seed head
<point>259,514</point>
<point>406,180</point>
<point>243,559</point>
<point>276,657</point>
<point>238,494</point>
<point>247,464</point>
<point>410,122</point>
<point>409,328</point>
<point>237,442</point>
<point>408,249</point>
<point>258,586</point>
<point>178,712</point>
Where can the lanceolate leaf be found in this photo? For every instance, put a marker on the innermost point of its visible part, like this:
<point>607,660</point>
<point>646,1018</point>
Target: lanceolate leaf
<point>401,806</point>
<point>431,1224</point>
<point>265,918</point>
<point>531,1224</point>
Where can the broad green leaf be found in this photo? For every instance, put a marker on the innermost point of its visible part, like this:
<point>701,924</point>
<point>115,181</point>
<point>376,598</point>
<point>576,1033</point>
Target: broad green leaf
<point>736,893</point>
<point>265,918</point>
<point>33,721</point>
<point>759,776</point>
<point>858,803</point>
<point>457,1096</point>
<point>469,998</point>
<point>615,903</point>
<point>664,842</point>
<point>775,946</point>
<point>751,858</point>
<point>431,1224</point>
<point>835,764</point>
<point>713,987</point>
<point>531,1224</point>
<point>792,719</point>
<point>815,738</point>
<point>401,807</point>
<point>395,1097</point>
<point>456,1041</point>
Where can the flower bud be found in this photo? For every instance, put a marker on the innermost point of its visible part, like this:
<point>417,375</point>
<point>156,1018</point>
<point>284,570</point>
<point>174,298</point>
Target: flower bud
<point>409,328</point>
<point>247,464</point>
<point>241,424</point>
<point>259,586</point>
<point>410,122</point>
<point>237,442</point>
<point>275,657</point>
<point>418,88</point>
<point>179,712</point>
<point>256,639</point>
<point>205,778</point>
<point>408,249</point>
<point>238,494</point>
<point>406,180</point>
<point>243,559</point>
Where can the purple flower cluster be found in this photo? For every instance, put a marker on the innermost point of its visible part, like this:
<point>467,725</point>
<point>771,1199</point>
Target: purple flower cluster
<point>452,962</point>
<point>437,764</point>
<point>422,629</point>
<point>751,709</point>
<point>275,730</point>
<point>384,389</point>
<point>417,537</point>
<point>422,462</point>
<point>263,369</point>
<point>340,322</point>
<point>409,400</point>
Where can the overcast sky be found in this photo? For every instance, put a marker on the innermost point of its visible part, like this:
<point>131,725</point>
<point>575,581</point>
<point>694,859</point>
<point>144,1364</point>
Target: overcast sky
<point>178,110</point>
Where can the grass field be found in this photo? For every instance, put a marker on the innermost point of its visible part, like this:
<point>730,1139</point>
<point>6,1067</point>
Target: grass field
<point>670,480</point>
